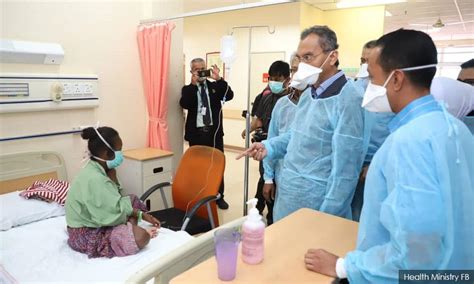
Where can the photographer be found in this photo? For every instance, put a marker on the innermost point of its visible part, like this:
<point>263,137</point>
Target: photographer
<point>202,98</point>
<point>279,77</point>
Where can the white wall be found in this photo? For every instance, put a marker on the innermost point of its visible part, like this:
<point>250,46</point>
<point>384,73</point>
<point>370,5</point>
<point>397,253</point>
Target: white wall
<point>202,35</point>
<point>99,37</point>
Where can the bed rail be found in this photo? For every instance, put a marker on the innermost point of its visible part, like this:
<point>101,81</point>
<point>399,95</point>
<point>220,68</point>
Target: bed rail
<point>184,258</point>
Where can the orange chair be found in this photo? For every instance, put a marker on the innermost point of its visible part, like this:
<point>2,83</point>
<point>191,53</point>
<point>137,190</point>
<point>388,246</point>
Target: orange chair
<point>194,190</point>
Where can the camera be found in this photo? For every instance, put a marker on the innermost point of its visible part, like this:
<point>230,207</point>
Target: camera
<point>259,135</point>
<point>204,73</point>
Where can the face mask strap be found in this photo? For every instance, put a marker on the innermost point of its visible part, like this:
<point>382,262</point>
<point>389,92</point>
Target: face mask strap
<point>103,140</point>
<point>409,69</point>
<point>332,51</point>
<point>100,159</point>
<point>418,67</point>
<point>388,79</point>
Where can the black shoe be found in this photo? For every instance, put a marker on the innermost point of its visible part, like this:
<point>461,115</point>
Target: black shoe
<point>222,204</point>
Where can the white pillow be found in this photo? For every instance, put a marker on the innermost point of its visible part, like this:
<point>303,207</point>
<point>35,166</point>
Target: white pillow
<point>16,210</point>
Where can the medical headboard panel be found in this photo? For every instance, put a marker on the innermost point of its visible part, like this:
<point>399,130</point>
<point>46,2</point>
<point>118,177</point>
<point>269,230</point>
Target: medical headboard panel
<point>20,170</point>
<point>46,92</point>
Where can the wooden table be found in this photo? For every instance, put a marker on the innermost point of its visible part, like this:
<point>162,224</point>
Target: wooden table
<point>286,243</point>
<point>144,154</point>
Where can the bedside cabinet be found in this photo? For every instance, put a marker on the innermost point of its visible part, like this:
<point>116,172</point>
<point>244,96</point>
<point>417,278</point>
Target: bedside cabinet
<point>141,169</point>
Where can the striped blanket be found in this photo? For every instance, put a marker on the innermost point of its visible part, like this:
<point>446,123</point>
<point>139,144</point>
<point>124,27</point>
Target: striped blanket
<point>50,190</point>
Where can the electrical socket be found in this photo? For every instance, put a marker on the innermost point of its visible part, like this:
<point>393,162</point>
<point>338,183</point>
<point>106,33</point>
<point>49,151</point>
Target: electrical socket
<point>68,88</point>
<point>87,89</point>
<point>77,89</point>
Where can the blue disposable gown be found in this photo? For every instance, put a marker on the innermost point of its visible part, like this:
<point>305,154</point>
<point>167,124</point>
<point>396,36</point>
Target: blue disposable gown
<point>378,131</point>
<point>324,154</point>
<point>376,123</point>
<point>469,121</point>
<point>418,205</point>
<point>283,115</point>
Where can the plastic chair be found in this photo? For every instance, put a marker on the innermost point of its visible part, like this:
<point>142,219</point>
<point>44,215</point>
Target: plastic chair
<point>194,191</point>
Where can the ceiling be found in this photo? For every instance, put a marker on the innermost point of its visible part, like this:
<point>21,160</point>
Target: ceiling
<point>459,24</point>
<point>413,14</point>
<point>422,14</point>
<point>197,5</point>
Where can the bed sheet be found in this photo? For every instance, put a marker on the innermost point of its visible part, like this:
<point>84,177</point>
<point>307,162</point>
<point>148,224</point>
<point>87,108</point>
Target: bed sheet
<point>38,252</point>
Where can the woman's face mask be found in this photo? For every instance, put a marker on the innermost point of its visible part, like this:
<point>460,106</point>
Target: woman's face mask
<point>375,97</point>
<point>118,155</point>
<point>112,164</point>
<point>117,161</point>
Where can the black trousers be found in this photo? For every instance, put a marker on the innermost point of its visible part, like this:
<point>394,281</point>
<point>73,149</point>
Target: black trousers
<point>261,200</point>
<point>206,139</point>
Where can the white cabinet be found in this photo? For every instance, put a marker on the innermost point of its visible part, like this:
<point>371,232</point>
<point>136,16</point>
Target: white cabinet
<point>142,168</point>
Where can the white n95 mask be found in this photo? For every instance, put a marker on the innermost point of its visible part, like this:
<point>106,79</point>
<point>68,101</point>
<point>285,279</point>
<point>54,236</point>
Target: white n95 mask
<point>363,73</point>
<point>375,97</point>
<point>306,75</point>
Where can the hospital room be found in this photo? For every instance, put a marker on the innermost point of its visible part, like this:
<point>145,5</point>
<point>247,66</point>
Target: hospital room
<point>236,141</point>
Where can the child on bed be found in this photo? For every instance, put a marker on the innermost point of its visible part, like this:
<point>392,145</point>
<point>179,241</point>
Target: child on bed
<point>101,221</point>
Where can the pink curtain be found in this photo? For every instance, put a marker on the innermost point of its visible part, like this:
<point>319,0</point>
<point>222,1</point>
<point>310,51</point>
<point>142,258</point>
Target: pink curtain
<point>154,46</point>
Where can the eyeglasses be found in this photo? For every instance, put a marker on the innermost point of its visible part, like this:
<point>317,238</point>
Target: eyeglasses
<point>307,58</point>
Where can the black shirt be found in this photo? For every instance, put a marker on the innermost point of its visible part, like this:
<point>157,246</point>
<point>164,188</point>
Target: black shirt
<point>265,108</point>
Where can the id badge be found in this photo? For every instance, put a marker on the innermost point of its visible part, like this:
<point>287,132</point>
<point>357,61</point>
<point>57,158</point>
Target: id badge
<point>203,110</point>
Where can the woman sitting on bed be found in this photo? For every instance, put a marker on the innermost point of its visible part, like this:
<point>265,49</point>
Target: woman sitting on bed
<point>101,221</point>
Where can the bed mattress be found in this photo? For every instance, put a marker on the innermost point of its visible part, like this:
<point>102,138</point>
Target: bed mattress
<point>38,252</point>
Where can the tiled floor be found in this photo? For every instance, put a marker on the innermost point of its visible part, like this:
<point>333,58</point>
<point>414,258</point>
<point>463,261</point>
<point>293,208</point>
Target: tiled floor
<point>234,185</point>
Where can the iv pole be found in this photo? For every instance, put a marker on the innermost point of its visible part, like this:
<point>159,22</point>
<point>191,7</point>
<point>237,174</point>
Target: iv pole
<point>247,116</point>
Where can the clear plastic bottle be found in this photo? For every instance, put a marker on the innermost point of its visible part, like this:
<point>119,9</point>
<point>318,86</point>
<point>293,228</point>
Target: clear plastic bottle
<point>253,232</point>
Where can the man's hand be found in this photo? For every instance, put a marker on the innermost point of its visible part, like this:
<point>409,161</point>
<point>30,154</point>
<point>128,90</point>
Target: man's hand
<point>321,261</point>
<point>215,72</point>
<point>269,192</point>
<point>150,219</point>
<point>257,151</point>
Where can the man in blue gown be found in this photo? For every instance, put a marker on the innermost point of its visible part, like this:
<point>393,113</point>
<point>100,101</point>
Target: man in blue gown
<point>323,151</point>
<point>418,204</point>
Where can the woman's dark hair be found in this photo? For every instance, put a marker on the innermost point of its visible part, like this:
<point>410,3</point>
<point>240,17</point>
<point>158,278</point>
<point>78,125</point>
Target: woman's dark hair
<point>95,144</point>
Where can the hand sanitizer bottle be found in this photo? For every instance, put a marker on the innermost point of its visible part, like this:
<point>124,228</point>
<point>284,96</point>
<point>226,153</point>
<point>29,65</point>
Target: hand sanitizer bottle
<point>253,231</point>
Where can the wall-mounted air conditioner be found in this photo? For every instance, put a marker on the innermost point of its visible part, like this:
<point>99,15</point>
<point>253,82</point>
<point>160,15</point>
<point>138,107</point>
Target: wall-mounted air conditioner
<point>46,92</point>
<point>17,51</point>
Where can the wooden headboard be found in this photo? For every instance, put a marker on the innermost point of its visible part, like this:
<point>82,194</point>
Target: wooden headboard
<point>19,170</point>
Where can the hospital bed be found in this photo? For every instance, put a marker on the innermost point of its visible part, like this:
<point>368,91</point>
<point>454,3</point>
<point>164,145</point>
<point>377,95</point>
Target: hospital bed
<point>38,251</point>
